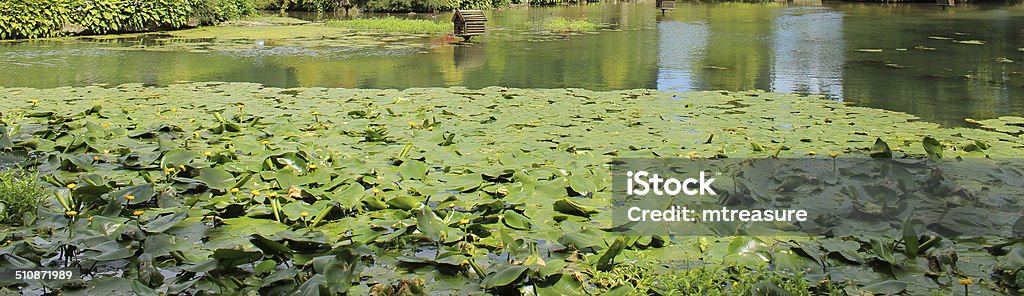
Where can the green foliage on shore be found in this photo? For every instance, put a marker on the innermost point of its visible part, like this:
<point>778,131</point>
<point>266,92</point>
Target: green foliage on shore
<point>19,194</point>
<point>428,5</point>
<point>393,24</point>
<point>53,18</point>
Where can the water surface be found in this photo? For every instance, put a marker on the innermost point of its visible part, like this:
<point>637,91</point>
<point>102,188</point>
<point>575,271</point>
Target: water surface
<point>898,57</point>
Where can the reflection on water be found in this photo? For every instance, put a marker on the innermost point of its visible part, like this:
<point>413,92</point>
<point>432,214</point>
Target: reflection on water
<point>870,54</point>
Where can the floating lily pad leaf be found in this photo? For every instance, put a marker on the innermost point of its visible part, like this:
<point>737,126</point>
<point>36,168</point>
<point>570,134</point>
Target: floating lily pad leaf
<point>233,257</point>
<point>288,177</point>
<point>504,276</point>
<point>880,149</point>
<point>932,147</point>
<point>216,178</point>
<point>142,193</point>
<point>889,287</point>
<point>568,206</point>
<point>604,262</point>
<point>107,226</point>
<point>165,222</point>
<point>310,287</point>
<point>405,202</point>
<point>465,183</point>
<point>349,196</point>
<point>565,284</point>
<point>884,250</point>
<point>516,220</point>
<point>271,247</point>
<point>177,157</point>
<point>430,225</point>
<point>581,184</point>
<point>113,250</point>
<point>412,169</point>
<point>339,274</point>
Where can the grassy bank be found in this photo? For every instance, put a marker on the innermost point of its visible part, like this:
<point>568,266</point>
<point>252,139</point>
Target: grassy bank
<point>393,24</point>
<point>250,189</point>
<point>53,18</point>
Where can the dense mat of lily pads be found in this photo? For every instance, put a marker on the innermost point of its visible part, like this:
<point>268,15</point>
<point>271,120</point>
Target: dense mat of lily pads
<point>239,188</point>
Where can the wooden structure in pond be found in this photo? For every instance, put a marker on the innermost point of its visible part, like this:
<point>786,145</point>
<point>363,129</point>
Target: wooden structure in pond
<point>945,3</point>
<point>665,5</point>
<point>469,23</point>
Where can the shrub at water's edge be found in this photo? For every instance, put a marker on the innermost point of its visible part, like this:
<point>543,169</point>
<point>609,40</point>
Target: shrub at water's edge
<point>53,18</point>
<point>393,24</point>
<point>19,194</point>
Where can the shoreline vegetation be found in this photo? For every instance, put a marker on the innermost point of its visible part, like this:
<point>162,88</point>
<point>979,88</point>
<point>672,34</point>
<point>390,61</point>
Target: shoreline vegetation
<point>30,19</point>
<point>267,190</point>
<point>393,25</point>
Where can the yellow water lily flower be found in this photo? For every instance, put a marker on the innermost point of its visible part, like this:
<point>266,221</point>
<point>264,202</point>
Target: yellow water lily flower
<point>71,213</point>
<point>255,192</point>
<point>966,281</point>
<point>129,197</point>
<point>234,190</point>
<point>72,186</point>
<point>138,213</point>
<point>304,214</point>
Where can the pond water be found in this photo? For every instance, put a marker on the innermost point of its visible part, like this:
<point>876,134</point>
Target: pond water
<point>899,57</point>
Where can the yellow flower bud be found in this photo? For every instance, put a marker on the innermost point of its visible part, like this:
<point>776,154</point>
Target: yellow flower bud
<point>234,190</point>
<point>129,197</point>
<point>311,166</point>
<point>255,192</point>
<point>834,155</point>
<point>464,221</point>
<point>207,153</point>
<point>966,281</point>
<point>812,153</point>
<point>375,191</point>
<point>96,158</point>
<point>304,214</point>
<point>265,142</point>
<point>138,213</point>
<point>71,213</point>
<point>105,125</point>
<point>272,194</point>
<point>72,186</point>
